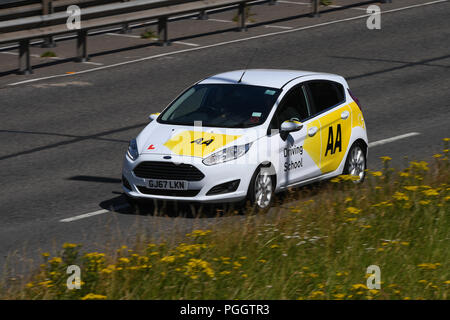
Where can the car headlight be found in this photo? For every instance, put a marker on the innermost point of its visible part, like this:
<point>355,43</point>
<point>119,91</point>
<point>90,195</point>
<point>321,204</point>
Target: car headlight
<point>227,154</point>
<point>133,152</point>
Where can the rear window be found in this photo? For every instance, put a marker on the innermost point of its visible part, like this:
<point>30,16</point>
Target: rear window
<point>326,94</point>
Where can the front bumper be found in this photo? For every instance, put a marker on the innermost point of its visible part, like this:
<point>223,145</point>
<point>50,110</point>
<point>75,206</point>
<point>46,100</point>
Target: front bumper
<point>213,175</point>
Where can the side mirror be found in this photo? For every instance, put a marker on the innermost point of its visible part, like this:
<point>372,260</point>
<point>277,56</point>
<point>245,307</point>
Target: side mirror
<point>291,126</point>
<point>153,116</point>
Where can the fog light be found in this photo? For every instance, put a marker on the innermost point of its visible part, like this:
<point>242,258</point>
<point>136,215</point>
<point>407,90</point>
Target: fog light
<point>125,183</point>
<point>224,187</point>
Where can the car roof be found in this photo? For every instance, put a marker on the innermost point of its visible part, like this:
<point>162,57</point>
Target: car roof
<point>274,78</point>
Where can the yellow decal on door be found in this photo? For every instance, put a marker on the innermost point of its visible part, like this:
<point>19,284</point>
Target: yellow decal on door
<point>336,130</point>
<point>312,145</point>
<point>197,143</point>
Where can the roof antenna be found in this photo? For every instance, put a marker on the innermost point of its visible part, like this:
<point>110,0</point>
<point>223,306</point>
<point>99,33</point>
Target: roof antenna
<point>248,64</point>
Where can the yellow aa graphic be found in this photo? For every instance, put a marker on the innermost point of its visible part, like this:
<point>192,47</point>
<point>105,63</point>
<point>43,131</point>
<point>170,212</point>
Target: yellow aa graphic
<point>312,144</point>
<point>197,143</point>
<point>335,138</point>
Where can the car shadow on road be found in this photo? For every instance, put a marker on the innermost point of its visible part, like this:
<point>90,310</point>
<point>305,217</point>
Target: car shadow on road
<point>190,210</point>
<point>171,209</point>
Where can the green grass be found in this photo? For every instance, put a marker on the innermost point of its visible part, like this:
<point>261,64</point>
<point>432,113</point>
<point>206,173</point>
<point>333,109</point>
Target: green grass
<point>148,34</point>
<point>48,54</point>
<point>318,247</point>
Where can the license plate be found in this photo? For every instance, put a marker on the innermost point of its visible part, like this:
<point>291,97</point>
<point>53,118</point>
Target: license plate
<point>167,184</point>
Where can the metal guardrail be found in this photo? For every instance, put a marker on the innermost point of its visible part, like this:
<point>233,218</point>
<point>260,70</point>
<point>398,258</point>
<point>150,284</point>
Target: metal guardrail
<point>50,23</point>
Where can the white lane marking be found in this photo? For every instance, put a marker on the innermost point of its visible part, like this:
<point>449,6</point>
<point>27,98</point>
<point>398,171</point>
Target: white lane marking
<point>91,214</point>
<point>279,27</point>
<point>139,37</point>
<point>336,6</point>
<point>219,20</point>
<point>309,4</point>
<point>224,43</point>
<point>388,140</point>
<point>94,63</point>
<point>294,2</point>
<point>54,58</point>
<point>123,35</point>
<point>187,43</point>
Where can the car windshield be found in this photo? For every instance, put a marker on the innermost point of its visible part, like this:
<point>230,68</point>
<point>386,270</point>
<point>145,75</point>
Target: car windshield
<point>221,105</point>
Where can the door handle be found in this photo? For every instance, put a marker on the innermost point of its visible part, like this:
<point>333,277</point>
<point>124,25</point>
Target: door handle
<point>345,114</point>
<point>312,131</point>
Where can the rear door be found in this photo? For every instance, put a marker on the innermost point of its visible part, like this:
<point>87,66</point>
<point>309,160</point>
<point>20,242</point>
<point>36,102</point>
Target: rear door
<point>327,99</point>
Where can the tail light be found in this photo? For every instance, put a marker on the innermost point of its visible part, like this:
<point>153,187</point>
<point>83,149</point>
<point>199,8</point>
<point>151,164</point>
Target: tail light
<point>355,99</point>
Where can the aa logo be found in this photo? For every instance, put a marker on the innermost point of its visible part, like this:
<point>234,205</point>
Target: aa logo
<point>332,145</point>
<point>201,141</point>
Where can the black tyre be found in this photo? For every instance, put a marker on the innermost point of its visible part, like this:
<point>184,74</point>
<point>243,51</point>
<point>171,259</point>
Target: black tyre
<point>356,162</point>
<point>261,189</point>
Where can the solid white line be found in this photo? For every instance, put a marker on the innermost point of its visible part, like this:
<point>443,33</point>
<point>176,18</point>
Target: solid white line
<point>388,140</point>
<point>91,214</point>
<point>225,43</point>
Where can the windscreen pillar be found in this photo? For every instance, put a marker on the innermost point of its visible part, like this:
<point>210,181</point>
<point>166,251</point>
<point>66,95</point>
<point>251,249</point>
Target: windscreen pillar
<point>163,38</point>
<point>47,8</point>
<point>24,57</point>
<point>315,10</point>
<point>82,55</point>
<point>241,17</point>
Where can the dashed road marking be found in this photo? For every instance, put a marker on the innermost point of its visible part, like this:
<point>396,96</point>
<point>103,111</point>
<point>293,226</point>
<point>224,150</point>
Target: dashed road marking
<point>91,214</point>
<point>388,140</point>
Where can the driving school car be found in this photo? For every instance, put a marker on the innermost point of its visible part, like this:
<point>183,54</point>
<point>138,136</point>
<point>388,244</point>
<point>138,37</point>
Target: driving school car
<point>248,134</point>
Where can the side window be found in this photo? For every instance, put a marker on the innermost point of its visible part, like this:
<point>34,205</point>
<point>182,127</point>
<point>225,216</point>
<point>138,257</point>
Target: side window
<point>325,94</point>
<point>292,106</point>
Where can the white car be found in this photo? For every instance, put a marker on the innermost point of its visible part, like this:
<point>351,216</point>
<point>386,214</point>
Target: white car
<point>247,134</point>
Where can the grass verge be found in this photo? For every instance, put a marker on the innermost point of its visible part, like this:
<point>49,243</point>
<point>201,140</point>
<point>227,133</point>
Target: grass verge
<point>318,248</point>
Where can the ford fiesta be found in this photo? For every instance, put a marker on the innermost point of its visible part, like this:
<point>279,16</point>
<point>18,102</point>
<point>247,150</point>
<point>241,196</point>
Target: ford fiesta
<point>248,134</point>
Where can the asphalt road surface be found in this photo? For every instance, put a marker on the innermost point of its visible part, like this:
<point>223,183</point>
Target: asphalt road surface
<point>63,139</point>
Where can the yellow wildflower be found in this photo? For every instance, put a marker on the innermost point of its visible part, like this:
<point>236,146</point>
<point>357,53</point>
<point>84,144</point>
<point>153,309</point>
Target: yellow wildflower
<point>359,286</point>
<point>316,294</point>
<point>353,210</point>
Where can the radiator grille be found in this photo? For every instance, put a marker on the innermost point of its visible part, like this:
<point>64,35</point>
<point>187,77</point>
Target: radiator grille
<point>168,170</point>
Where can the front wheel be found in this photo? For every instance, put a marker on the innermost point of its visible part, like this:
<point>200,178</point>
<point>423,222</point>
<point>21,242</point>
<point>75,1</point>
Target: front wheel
<point>261,189</point>
<point>355,164</point>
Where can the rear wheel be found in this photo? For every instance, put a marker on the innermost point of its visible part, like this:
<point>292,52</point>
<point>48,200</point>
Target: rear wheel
<point>355,164</point>
<point>261,189</point>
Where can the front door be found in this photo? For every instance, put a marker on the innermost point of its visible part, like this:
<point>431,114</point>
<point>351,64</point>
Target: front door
<point>295,163</point>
